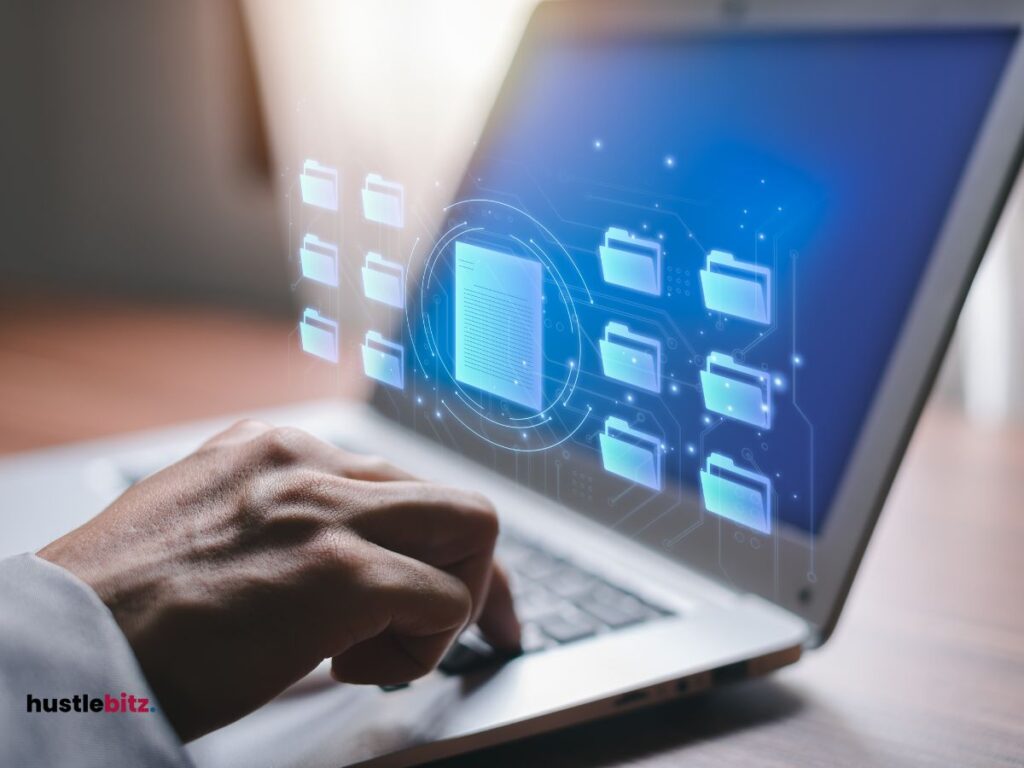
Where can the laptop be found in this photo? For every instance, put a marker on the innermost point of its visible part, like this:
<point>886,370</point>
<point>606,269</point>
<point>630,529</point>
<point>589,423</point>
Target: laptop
<point>678,323</point>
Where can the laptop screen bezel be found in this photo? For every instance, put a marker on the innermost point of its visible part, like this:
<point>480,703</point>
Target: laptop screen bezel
<point>921,344</point>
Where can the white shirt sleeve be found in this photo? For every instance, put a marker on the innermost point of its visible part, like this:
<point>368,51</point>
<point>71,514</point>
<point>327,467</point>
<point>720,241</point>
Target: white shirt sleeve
<point>58,641</point>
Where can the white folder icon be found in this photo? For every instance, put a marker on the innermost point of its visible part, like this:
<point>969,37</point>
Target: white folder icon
<point>384,280</point>
<point>630,261</point>
<point>735,493</point>
<point>319,335</point>
<point>630,357</point>
<point>319,185</point>
<point>629,453</point>
<point>737,288</point>
<point>319,260</point>
<point>384,360</point>
<point>383,201</point>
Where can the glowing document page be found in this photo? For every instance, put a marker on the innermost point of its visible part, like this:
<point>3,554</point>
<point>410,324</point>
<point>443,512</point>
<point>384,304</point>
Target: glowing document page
<point>498,324</point>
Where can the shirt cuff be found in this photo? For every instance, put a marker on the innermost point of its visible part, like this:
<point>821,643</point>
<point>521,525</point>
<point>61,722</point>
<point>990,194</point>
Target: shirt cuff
<point>61,649</point>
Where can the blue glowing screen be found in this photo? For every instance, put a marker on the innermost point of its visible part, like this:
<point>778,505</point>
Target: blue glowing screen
<point>717,240</point>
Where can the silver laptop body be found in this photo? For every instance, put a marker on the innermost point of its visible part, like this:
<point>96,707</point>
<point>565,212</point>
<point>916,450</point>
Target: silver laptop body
<point>707,617</point>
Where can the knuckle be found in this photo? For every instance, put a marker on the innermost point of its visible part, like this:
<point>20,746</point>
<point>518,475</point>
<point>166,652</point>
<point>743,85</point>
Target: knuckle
<point>347,557</point>
<point>372,464</point>
<point>300,486</point>
<point>281,445</point>
<point>248,424</point>
<point>377,464</point>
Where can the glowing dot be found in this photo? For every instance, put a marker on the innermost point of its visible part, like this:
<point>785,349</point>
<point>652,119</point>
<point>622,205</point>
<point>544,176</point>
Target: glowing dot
<point>419,400</point>
<point>780,209</point>
<point>691,449</point>
<point>598,144</point>
<point>629,398</point>
<point>674,387</point>
<point>670,161</point>
<point>745,211</point>
<point>762,181</point>
<point>798,360</point>
<point>572,363</point>
<point>437,414</point>
<point>707,419</point>
<point>778,381</point>
<point>760,236</point>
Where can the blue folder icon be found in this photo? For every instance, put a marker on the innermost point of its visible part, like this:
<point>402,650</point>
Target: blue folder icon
<point>384,360</point>
<point>319,260</point>
<point>319,335</point>
<point>630,357</point>
<point>736,494</point>
<point>319,185</point>
<point>737,288</point>
<point>737,391</point>
<point>383,280</point>
<point>631,454</point>
<point>631,262</point>
<point>383,201</point>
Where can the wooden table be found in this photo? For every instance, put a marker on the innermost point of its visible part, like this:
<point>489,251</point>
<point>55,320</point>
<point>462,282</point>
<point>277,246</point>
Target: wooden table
<point>926,667</point>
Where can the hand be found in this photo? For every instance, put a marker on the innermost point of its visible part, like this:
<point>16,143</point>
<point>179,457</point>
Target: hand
<point>234,572</point>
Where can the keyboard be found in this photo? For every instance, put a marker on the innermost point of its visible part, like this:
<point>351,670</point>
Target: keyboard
<point>558,602</point>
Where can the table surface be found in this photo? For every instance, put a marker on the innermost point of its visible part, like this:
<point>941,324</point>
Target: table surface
<point>926,667</point>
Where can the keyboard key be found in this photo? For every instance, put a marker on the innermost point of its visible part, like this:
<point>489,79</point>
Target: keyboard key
<point>609,595</point>
<point>533,639</point>
<point>564,628</point>
<point>570,582</point>
<point>537,566</point>
<point>614,616</point>
<point>536,602</point>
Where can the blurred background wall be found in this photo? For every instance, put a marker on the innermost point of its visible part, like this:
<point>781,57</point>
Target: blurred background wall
<point>147,147</point>
<point>133,153</point>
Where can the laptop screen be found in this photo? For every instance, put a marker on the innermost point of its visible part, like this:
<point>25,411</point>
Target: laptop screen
<point>678,266</point>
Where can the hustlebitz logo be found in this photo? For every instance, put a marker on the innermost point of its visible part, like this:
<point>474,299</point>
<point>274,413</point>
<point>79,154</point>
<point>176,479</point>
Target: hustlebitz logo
<point>125,704</point>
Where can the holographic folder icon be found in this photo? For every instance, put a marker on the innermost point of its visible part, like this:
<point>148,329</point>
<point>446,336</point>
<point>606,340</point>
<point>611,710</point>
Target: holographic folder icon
<point>737,288</point>
<point>319,335</point>
<point>631,262</point>
<point>631,454</point>
<point>384,280</point>
<point>630,357</point>
<point>736,494</point>
<point>737,391</point>
<point>383,201</point>
<point>319,185</point>
<point>384,360</point>
<point>319,260</point>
